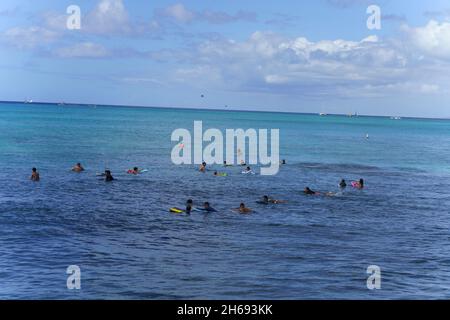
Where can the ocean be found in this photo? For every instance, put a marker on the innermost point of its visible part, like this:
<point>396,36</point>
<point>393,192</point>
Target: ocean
<point>128,246</point>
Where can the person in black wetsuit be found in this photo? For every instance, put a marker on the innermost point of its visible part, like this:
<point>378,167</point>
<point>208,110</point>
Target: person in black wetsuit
<point>343,184</point>
<point>108,176</point>
<point>207,207</point>
<point>264,200</point>
<point>309,191</point>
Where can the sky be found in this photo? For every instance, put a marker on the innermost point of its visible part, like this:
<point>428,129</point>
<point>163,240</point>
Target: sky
<point>284,55</point>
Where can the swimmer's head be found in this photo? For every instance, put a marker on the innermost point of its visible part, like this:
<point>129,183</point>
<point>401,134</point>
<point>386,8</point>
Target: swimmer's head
<point>34,169</point>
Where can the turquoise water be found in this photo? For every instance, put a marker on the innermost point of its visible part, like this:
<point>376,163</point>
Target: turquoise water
<point>128,246</point>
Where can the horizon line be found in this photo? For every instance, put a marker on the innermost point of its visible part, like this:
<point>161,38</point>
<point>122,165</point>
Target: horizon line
<point>213,109</point>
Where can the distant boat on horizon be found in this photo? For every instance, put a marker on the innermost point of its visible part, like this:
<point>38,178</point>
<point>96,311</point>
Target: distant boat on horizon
<point>396,118</point>
<point>323,114</point>
<point>28,101</point>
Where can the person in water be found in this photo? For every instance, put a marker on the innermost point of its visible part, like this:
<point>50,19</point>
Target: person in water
<point>243,163</point>
<point>243,209</point>
<point>208,208</point>
<point>188,209</point>
<point>343,184</point>
<point>78,168</point>
<point>190,204</point>
<point>108,176</point>
<point>264,200</point>
<point>308,191</point>
<point>225,164</point>
<point>359,184</point>
<point>267,200</point>
<point>35,175</point>
<point>135,170</point>
<point>283,161</point>
<point>248,170</point>
<point>203,167</point>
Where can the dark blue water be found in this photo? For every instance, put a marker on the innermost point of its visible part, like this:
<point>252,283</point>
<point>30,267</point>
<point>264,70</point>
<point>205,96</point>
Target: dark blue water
<point>129,247</point>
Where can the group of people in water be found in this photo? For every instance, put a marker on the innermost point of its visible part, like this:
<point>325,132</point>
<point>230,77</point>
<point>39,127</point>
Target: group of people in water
<point>342,185</point>
<point>247,169</point>
<point>206,207</point>
<point>202,167</point>
<point>265,200</point>
<point>107,175</point>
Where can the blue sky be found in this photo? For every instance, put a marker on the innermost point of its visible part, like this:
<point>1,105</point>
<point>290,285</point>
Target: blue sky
<point>296,56</point>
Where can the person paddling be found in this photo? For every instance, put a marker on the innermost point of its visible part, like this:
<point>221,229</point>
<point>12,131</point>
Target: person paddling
<point>35,175</point>
<point>78,168</point>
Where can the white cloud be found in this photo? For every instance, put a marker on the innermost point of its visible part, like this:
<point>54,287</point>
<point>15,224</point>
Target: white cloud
<point>432,39</point>
<point>218,17</point>
<point>142,80</point>
<point>83,50</point>
<point>109,16</point>
<point>179,13</point>
<point>269,62</point>
<point>429,88</point>
<point>30,37</point>
<point>348,3</point>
